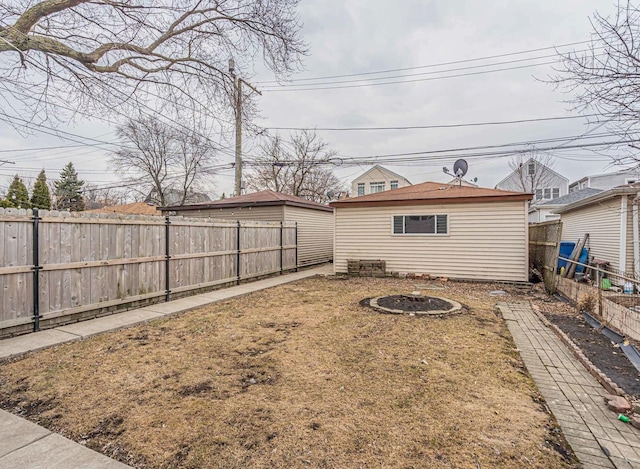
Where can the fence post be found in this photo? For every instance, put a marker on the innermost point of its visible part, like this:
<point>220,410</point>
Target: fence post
<point>296,246</point>
<point>36,271</point>
<point>599,276</point>
<point>281,247</point>
<point>167,258</point>
<point>238,252</point>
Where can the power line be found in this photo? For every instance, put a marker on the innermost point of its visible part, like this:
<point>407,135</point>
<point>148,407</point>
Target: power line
<point>435,126</point>
<point>409,81</point>
<point>442,64</point>
<point>459,69</point>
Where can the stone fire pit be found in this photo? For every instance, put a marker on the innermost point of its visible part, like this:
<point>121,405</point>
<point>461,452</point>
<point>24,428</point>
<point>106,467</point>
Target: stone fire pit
<point>414,305</point>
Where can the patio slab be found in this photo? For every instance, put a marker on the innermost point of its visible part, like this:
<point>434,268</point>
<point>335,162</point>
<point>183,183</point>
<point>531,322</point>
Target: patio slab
<point>16,432</point>
<point>112,322</point>
<point>15,346</point>
<point>56,452</point>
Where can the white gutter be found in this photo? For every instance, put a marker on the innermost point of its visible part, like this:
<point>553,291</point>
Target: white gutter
<point>624,220</point>
<point>636,238</point>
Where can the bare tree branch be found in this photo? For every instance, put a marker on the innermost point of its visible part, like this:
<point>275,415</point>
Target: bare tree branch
<point>302,170</point>
<point>606,78</point>
<point>161,159</point>
<point>58,52</point>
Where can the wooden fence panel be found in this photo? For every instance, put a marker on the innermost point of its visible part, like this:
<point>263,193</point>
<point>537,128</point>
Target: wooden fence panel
<point>544,245</point>
<point>16,277</point>
<point>88,262</point>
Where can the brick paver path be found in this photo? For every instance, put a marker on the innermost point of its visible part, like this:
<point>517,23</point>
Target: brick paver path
<point>572,394</point>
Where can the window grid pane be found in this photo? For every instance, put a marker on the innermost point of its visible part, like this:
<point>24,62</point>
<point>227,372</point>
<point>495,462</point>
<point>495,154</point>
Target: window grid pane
<point>420,224</point>
<point>375,187</point>
<point>394,184</point>
<point>398,225</point>
<point>360,188</point>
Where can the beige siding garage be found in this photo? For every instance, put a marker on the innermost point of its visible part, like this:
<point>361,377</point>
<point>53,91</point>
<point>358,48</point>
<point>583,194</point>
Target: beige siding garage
<point>486,241</point>
<point>314,220</point>
<point>315,234</point>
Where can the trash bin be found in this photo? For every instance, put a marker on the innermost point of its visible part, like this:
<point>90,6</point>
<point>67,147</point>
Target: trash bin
<point>566,248</point>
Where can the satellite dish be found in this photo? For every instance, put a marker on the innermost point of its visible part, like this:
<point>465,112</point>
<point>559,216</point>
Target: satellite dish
<point>460,168</point>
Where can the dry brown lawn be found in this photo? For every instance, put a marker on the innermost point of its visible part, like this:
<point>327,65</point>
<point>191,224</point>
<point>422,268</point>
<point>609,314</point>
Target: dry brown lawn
<point>298,376</point>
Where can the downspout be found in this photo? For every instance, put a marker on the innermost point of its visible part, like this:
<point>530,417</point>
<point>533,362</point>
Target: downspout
<point>636,237</point>
<point>624,220</point>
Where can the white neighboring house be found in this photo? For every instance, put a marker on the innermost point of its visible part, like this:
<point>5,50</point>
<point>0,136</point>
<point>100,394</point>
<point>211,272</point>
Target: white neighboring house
<point>611,219</point>
<point>377,179</point>
<point>606,181</point>
<point>545,211</point>
<point>536,178</point>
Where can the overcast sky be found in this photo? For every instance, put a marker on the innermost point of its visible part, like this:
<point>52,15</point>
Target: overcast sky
<point>356,36</point>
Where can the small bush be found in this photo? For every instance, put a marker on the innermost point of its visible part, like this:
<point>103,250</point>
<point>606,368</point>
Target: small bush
<point>587,303</point>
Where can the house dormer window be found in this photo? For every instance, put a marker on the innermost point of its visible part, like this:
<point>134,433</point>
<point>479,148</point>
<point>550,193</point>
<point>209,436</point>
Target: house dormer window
<point>376,187</point>
<point>360,189</point>
<point>532,168</point>
<point>394,185</point>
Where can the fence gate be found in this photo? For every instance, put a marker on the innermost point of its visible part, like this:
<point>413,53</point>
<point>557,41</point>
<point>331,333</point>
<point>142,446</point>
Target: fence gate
<point>544,246</point>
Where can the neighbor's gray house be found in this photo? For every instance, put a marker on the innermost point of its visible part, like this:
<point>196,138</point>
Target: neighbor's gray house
<point>546,211</point>
<point>605,181</point>
<point>314,220</point>
<point>544,182</point>
<point>377,179</point>
<point>438,229</point>
<point>611,219</point>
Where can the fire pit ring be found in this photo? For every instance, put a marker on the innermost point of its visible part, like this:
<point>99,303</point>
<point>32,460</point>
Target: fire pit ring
<point>418,305</point>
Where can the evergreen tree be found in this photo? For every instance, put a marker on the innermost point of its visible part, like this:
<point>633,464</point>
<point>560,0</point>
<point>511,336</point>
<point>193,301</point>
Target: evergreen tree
<point>41,198</point>
<point>18,195</point>
<point>68,190</point>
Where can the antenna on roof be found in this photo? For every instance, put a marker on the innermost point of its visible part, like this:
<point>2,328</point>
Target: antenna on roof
<point>460,168</point>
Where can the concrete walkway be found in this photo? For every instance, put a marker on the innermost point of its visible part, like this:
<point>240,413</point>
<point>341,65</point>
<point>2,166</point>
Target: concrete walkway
<point>597,437</point>
<point>26,445</point>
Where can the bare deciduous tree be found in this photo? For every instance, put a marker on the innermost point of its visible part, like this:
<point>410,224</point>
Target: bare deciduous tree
<point>162,158</point>
<point>98,197</point>
<point>95,55</point>
<point>606,78</point>
<point>301,169</point>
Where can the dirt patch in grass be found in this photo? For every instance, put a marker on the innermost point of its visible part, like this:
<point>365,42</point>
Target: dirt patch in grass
<point>300,375</point>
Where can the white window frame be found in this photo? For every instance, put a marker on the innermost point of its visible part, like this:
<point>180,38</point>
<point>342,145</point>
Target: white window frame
<point>421,215</point>
<point>554,191</point>
<point>361,185</point>
<point>541,194</point>
<point>393,184</point>
<point>381,184</point>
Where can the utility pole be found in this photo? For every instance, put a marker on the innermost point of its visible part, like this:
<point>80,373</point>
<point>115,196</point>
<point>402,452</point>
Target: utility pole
<point>237,86</point>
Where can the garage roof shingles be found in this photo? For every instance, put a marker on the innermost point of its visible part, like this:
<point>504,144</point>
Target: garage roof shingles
<point>255,199</point>
<point>429,193</point>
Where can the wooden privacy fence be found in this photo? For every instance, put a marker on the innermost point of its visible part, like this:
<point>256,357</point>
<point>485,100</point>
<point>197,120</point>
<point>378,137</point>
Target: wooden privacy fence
<point>57,266</point>
<point>544,245</point>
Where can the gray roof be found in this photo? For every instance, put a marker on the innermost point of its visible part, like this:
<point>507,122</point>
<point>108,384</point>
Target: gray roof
<point>572,197</point>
